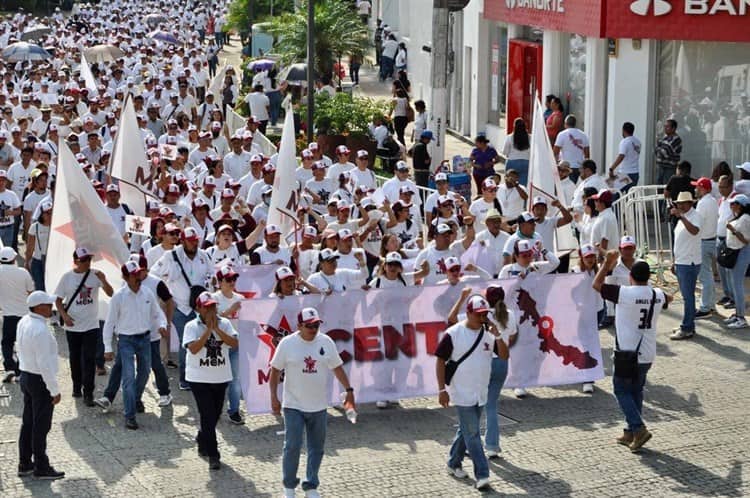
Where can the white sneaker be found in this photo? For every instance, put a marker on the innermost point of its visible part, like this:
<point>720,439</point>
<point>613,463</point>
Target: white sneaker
<point>483,483</point>
<point>458,472</point>
<point>739,323</point>
<point>493,453</point>
<point>312,493</point>
<point>165,400</point>
<point>520,392</point>
<point>288,493</point>
<point>381,404</point>
<point>729,320</point>
<point>588,387</point>
<point>104,403</point>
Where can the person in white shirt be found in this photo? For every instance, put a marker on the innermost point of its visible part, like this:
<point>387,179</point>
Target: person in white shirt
<point>637,308</point>
<point>10,210</point>
<point>524,252</point>
<point>605,233</point>
<point>305,357</point>
<point>589,178</point>
<point>209,338</point>
<point>567,185</point>
<point>237,161</point>
<point>469,383</point>
<point>481,206</point>
<point>572,145</point>
<point>259,105</point>
<point>329,278</point>
<point>78,305</point>
<point>725,187</point>
<point>38,362</point>
<point>738,239</point>
<point>628,157</point>
<point>133,312</point>
<point>342,165</point>
<point>512,195</point>
<point>362,175</point>
<point>271,252</point>
<point>709,211</point>
<point>16,286</point>
<point>687,260</point>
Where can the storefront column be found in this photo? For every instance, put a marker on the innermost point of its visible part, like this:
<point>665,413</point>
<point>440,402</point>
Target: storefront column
<point>553,56</point>
<point>596,98</point>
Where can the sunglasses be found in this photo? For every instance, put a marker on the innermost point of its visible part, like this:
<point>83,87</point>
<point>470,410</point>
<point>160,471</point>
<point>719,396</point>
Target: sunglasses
<point>454,270</point>
<point>313,326</point>
<point>175,233</point>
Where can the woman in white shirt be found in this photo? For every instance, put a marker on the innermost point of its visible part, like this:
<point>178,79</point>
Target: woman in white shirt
<point>36,245</point>
<point>228,304</point>
<point>401,225</point>
<point>587,264</point>
<point>330,279</point>
<point>399,107</point>
<point>420,119</point>
<point>516,150</point>
<point>738,238</point>
<point>208,339</point>
<point>392,273</point>
<point>287,284</point>
<point>523,254</point>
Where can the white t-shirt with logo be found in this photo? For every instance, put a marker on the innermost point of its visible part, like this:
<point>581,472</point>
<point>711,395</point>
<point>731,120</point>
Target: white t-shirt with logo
<point>630,148</point>
<point>211,364</point>
<point>85,308</point>
<point>306,365</point>
<point>572,143</point>
<point>436,259</point>
<point>8,200</point>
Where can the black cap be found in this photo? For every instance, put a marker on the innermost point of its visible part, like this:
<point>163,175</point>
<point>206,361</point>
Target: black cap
<point>640,271</point>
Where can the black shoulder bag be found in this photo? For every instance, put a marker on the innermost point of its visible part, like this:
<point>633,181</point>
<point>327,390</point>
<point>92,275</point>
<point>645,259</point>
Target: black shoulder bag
<point>195,290</point>
<point>626,362</point>
<point>75,294</point>
<point>451,366</point>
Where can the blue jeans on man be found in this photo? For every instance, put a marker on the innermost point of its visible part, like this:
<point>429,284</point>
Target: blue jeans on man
<point>468,438</point>
<point>313,425</point>
<point>497,379</point>
<point>738,280</point>
<point>160,374</point>
<point>725,274</point>
<point>634,177</point>
<point>6,235</point>
<point>235,388</point>
<point>180,320</point>
<point>629,394</point>
<point>706,274</point>
<point>687,277</point>
<point>138,348</point>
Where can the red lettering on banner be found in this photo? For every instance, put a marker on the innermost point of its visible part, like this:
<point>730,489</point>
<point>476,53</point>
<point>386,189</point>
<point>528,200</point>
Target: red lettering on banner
<point>341,335</point>
<point>431,331</point>
<point>394,341</point>
<point>143,180</point>
<point>367,344</point>
<point>263,376</point>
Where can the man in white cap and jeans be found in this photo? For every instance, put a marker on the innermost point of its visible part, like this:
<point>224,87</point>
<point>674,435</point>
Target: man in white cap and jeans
<point>37,357</point>
<point>687,260</point>
<point>16,286</point>
<point>465,355</point>
<point>305,357</point>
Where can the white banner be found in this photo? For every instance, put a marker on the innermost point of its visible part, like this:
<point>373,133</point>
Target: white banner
<point>236,122</point>
<point>256,281</point>
<point>387,337</point>
<point>284,194</point>
<point>129,161</point>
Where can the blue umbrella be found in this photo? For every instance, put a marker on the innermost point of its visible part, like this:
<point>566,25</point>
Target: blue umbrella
<point>23,51</point>
<point>165,37</point>
<point>261,65</point>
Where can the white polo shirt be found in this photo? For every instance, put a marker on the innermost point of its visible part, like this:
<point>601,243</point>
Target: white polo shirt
<point>469,384</point>
<point>709,211</point>
<point>687,247</point>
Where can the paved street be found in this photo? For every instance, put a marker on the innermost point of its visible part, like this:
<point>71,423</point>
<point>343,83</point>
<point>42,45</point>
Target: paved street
<point>557,442</point>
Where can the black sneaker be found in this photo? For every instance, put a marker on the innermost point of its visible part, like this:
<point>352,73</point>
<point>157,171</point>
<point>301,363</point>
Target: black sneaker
<point>131,424</point>
<point>236,418</point>
<point>214,463</point>
<point>88,400</point>
<point>139,407</point>
<point>724,300</point>
<point>730,305</point>
<point>184,386</point>
<point>49,474</point>
<point>25,469</point>
<point>703,314</point>
<point>77,394</point>
<point>171,364</point>
<point>9,377</point>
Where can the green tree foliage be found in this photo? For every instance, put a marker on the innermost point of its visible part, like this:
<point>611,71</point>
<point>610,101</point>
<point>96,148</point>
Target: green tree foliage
<point>239,12</point>
<point>343,114</point>
<point>338,32</point>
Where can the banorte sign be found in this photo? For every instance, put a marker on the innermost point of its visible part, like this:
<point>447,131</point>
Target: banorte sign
<point>705,20</point>
<point>583,17</point>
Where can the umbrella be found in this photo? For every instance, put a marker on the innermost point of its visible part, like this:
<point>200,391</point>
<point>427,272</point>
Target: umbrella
<point>35,32</point>
<point>164,37</point>
<point>295,74</point>
<point>22,51</point>
<point>103,53</point>
<point>261,65</point>
<point>154,19</point>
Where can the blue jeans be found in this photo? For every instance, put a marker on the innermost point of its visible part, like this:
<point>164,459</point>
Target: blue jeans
<point>497,379</point>
<point>274,99</point>
<point>131,347</point>
<point>467,437</point>
<point>313,424</point>
<point>738,280</point>
<point>725,275</point>
<point>180,320</point>
<point>665,173</point>
<point>386,67</point>
<point>100,345</point>
<point>160,373</point>
<point>6,235</point>
<point>522,167</point>
<point>687,276</point>
<point>706,274</point>
<point>633,182</point>
<point>37,272</point>
<point>629,394</point>
<point>235,389</point>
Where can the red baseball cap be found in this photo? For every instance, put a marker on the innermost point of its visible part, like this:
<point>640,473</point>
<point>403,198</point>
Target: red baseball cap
<point>704,183</point>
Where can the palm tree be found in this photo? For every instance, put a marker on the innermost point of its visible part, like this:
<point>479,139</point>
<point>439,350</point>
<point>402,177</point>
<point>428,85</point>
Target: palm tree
<point>338,32</point>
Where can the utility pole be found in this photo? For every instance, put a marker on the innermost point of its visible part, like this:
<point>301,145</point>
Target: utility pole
<point>250,15</point>
<point>439,97</point>
<point>310,66</point>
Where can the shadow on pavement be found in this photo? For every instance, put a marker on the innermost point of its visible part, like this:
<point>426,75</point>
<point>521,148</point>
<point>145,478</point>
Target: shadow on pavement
<point>693,480</point>
<point>533,483</point>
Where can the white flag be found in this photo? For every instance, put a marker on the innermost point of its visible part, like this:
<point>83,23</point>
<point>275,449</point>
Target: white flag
<point>543,173</point>
<point>87,75</point>
<point>285,184</point>
<point>129,161</point>
<point>79,219</point>
<point>236,122</point>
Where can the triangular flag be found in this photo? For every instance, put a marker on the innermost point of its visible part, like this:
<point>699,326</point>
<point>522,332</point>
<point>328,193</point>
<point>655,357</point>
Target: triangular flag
<point>285,183</point>
<point>129,161</point>
<point>87,75</point>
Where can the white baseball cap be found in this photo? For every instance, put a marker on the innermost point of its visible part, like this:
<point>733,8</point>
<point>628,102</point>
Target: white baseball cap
<point>587,250</point>
<point>40,297</point>
<point>477,304</point>
<point>7,254</point>
<point>309,315</point>
<point>393,257</point>
<point>284,272</point>
<point>539,200</point>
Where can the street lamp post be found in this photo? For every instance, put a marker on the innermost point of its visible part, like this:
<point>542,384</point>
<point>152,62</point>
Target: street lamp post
<point>310,65</point>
